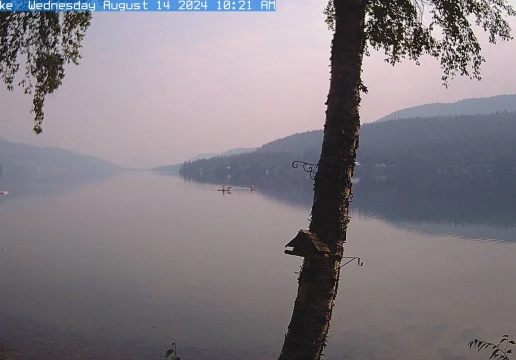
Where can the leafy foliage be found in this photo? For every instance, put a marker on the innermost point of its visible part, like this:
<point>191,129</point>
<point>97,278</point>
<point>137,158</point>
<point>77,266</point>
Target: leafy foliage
<point>500,351</point>
<point>172,352</point>
<point>47,41</point>
<point>398,27</point>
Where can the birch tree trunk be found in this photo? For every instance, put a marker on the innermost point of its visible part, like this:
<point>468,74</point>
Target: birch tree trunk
<point>318,280</point>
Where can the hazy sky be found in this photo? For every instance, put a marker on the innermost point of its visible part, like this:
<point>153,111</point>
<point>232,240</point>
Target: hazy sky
<point>157,89</point>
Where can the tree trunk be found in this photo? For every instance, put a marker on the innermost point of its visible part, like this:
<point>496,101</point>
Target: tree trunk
<point>318,280</point>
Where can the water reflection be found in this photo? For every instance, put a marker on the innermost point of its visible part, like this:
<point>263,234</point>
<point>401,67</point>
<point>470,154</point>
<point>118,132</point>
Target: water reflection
<point>175,262</point>
<point>107,272</point>
<point>487,218</point>
<point>26,189</point>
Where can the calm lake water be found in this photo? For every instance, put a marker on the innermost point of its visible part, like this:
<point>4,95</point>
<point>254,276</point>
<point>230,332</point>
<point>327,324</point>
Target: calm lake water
<point>123,267</point>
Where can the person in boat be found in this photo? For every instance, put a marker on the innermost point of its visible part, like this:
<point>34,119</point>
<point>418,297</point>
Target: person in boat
<point>252,187</point>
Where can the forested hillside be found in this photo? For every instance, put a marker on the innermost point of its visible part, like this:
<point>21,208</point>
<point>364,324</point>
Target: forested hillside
<point>307,141</point>
<point>452,154</point>
<point>175,168</point>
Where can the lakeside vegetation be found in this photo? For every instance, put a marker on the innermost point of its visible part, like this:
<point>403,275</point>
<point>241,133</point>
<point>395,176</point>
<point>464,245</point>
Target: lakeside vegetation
<point>466,155</point>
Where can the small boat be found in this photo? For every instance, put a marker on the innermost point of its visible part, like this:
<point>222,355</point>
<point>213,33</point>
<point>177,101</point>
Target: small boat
<point>4,192</point>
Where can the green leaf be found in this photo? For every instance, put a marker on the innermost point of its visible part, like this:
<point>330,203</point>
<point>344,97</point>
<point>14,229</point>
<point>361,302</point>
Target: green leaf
<point>512,342</point>
<point>169,352</point>
<point>42,44</point>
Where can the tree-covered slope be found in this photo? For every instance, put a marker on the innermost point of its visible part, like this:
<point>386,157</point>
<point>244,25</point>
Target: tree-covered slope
<point>175,167</point>
<point>449,154</point>
<point>306,141</point>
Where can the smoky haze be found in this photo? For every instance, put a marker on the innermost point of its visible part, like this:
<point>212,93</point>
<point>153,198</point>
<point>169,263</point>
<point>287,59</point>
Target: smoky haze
<point>155,89</point>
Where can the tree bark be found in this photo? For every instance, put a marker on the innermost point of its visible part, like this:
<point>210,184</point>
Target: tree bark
<point>318,279</point>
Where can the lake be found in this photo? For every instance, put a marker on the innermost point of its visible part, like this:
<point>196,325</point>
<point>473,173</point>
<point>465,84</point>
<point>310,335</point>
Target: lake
<point>121,268</point>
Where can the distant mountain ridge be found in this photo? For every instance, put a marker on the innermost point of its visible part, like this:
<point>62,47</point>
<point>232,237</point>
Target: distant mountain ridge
<point>307,145</point>
<point>312,140</point>
<point>473,106</point>
<point>22,162</point>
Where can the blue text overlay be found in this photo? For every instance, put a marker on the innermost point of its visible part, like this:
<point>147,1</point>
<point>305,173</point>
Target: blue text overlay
<point>139,5</point>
